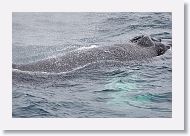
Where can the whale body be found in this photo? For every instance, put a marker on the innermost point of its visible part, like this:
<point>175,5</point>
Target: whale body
<point>139,48</point>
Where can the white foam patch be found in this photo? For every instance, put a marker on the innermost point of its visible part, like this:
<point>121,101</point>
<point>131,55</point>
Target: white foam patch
<point>88,47</point>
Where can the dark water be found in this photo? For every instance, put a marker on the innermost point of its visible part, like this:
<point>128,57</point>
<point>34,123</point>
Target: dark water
<point>141,89</point>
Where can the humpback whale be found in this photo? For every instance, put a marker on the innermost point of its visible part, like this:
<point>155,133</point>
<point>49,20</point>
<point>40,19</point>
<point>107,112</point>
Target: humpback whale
<point>138,48</point>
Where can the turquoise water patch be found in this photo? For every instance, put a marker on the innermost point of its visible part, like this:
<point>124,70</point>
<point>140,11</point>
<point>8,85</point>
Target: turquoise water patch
<point>157,98</point>
<point>119,92</point>
<point>142,98</point>
<point>120,85</point>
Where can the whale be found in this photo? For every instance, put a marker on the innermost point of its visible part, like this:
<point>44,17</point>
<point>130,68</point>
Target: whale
<point>138,48</point>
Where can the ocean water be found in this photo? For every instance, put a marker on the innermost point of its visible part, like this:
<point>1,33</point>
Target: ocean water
<point>106,89</point>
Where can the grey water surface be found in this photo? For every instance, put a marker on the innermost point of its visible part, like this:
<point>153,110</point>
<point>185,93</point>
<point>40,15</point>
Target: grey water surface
<point>105,89</point>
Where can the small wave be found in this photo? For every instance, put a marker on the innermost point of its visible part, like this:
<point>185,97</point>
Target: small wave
<point>162,35</point>
<point>62,85</point>
<point>17,95</point>
<point>107,90</point>
<point>156,98</point>
<point>118,20</point>
<point>148,107</point>
<point>113,73</point>
<point>30,111</point>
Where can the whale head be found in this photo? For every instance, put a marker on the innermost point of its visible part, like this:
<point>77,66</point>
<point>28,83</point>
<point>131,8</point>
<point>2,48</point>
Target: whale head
<point>161,48</point>
<point>147,41</point>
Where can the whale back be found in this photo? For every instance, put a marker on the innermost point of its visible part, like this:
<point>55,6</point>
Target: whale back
<point>144,47</point>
